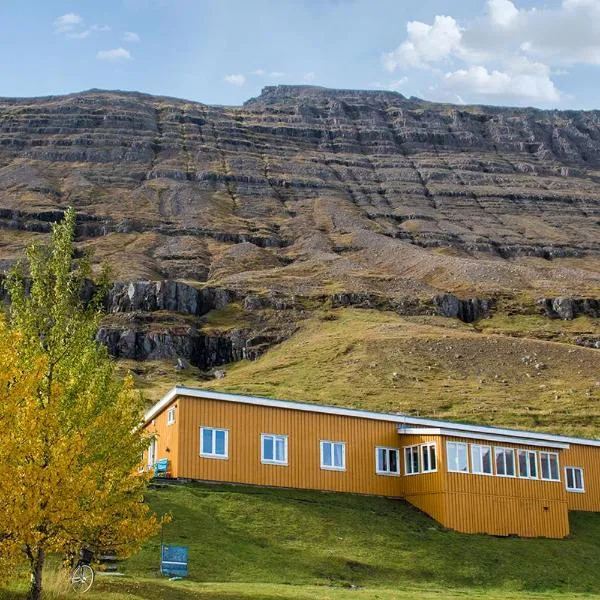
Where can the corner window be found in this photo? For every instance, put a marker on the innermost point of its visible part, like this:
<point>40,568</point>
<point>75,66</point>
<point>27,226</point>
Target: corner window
<point>333,456</point>
<point>505,462</point>
<point>274,449</point>
<point>411,460</point>
<point>527,464</point>
<point>428,458</point>
<point>171,416</point>
<point>574,479</point>
<point>213,442</point>
<point>549,466</point>
<point>481,459</point>
<point>387,461</point>
<point>457,457</point>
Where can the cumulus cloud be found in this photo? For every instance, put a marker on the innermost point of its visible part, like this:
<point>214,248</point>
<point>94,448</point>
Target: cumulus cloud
<point>82,35</point>
<point>505,52</point>
<point>534,85</point>
<point>131,37</point>
<point>114,55</point>
<point>235,79</point>
<point>67,22</point>
<point>309,77</point>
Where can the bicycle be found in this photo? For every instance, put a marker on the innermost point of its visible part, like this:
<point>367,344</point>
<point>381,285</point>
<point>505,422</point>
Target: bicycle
<point>83,574</point>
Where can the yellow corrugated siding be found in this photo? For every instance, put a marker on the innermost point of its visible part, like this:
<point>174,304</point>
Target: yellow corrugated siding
<point>505,505</point>
<point>588,458</point>
<point>305,430</point>
<point>167,438</point>
<point>502,515</point>
<point>425,490</point>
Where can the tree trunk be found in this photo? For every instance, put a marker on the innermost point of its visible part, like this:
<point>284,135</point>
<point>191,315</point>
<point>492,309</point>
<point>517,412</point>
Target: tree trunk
<point>37,566</point>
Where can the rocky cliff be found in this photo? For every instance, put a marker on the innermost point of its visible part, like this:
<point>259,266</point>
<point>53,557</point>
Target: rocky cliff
<point>349,196</point>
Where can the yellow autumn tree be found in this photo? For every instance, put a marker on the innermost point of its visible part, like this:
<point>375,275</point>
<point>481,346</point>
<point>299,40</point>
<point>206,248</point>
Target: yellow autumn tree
<point>70,440</point>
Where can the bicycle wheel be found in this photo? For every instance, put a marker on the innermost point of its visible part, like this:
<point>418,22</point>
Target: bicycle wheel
<point>83,577</point>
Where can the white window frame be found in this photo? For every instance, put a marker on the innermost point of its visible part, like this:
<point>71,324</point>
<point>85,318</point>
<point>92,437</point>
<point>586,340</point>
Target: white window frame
<point>388,471</point>
<point>333,444</point>
<point>213,454</point>
<point>408,463</point>
<point>549,454</point>
<point>466,447</point>
<point>478,449</point>
<point>171,416</point>
<point>528,454</point>
<point>274,437</point>
<point>428,448</point>
<point>577,490</point>
<point>504,450</point>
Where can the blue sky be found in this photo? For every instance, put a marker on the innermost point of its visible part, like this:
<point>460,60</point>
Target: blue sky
<point>544,54</point>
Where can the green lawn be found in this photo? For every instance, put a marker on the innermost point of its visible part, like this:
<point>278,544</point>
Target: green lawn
<point>252,543</point>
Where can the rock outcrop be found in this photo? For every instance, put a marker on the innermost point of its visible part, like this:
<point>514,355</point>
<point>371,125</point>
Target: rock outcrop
<point>570,308</point>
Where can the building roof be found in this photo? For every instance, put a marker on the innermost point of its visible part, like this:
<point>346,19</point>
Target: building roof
<point>406,423</point>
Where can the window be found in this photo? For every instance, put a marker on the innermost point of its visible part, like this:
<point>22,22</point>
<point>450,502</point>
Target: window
<point>527,464</point>
<point>505,462</point>
<point>333,456</point>
<point>457,457</point>
<point>574,477</point>
<point>274,449</point>
<point>481,459</point>
<point>411,460</point>
<point>428,458</point>
<point>171,416</point>
<point>213,442</point>
<point>549,466</point>
<point>387,461</point>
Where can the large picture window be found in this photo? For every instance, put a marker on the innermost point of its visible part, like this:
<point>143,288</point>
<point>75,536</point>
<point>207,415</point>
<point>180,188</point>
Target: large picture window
<point>274,449</point>
<point>549,466</point>
<point>387,461</point>
<point>213,442</point>
<point>574,479</point>
<point>505,462</point>
<point>458,461</point>
<point>527,464</point>
<point>481,459</point>
<point>333,456</point>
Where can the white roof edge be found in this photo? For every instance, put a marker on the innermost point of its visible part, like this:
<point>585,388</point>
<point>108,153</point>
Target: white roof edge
<point>503,439</point>
<point>364,414</point>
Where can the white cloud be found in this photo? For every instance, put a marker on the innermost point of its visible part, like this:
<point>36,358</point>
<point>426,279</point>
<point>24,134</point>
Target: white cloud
<point>526,83</point>
<point>235,79</point>
<point>79,35</point>
<point>309,77</point>
<point>67,22</point>
<point>506,52</point>
<point>131,37</point>
<point>425,44</point>
<point>114,55</point>
<point>502,12</point>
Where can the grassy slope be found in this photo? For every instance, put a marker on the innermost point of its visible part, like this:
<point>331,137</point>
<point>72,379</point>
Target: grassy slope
<point>258,543</point>
<point>434,367</point>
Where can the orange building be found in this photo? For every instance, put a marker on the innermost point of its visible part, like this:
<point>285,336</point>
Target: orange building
<point>468,478</point>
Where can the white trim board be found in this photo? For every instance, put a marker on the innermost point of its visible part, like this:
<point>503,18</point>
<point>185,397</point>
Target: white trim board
<point>481,436</point>
<point>363,414</point>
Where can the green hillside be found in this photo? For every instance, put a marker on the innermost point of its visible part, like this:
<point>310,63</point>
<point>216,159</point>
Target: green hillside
<point>254,543</point>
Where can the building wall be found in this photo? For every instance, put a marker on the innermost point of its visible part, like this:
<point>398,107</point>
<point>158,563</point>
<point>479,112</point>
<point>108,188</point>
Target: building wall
<point>587,457</point>
<point>305,430</point>
<point>425,490</point>
<point>167,439</point>
<point>505,505</point>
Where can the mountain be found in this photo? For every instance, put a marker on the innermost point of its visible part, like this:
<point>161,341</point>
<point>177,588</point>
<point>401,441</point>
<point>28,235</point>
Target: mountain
<point>305,198</point>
